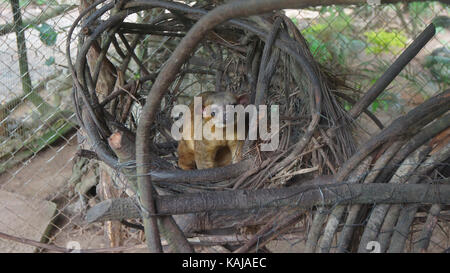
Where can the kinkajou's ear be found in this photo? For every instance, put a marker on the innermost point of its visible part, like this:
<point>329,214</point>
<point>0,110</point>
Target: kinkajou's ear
<point>243,99</point>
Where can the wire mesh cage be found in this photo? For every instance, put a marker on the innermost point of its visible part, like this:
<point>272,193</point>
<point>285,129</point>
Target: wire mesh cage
<point>88,158</point>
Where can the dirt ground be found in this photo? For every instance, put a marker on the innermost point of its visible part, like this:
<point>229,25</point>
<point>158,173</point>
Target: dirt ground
<point>43,175</point>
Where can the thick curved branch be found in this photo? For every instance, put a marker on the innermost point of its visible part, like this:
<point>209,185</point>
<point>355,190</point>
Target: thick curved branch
<point>160,86</point>
<point>304,197</point>
<point>408,124</point>
<point>205,175</point>
<point>415,142</point>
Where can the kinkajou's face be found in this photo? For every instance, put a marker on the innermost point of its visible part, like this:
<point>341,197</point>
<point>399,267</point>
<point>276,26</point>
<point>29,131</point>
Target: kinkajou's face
<point>221,110</point>
<point>175,115</point>
<point>220,114</point>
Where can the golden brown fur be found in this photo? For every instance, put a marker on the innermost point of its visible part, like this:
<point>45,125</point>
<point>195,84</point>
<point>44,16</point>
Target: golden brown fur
<point>202,154</point>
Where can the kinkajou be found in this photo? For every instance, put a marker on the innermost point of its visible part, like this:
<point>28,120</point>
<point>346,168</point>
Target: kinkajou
<point>210,153</point>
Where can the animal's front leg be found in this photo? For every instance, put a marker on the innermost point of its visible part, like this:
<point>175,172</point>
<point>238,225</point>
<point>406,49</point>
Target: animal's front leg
<point>186,156</point>
<point>205,155</point>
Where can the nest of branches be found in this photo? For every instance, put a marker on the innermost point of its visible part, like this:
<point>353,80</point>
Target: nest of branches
<point>128,76</point>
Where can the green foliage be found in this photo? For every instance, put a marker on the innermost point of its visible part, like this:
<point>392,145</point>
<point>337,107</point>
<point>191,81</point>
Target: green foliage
<point>384,102</point>
<point>347,106</point>
<point>23,3</point>
<point>47,34</point>
<point>336,39</point>
<point>438,62</point>
<point>50,61</point>
<point>376,104</point>
<point>332,41</point>
<point>384,41</point>
<point>441,22</point>
<point>417,9</point>
<point>317,46</point>
<point>56,130</point>
<point>294,20</point>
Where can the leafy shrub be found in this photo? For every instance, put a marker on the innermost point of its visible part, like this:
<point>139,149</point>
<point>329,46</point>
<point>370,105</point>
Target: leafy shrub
<point>384,41</point>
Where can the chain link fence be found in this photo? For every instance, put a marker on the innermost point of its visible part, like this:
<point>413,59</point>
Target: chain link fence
<point>47,183</point>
